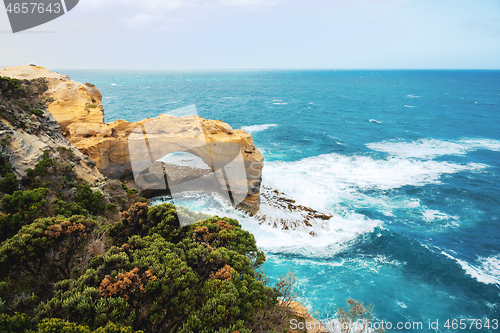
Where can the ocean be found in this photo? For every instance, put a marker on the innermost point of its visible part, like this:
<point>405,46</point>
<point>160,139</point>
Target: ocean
<point>406,162</point>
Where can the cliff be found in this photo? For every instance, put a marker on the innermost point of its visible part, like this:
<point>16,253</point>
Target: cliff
<point>55,211</point>
<point>26,131</point>
<point>122,149</point>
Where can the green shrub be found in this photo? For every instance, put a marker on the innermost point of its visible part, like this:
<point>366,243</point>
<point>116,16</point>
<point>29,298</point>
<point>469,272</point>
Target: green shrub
<point>68,208</point>
<point>63,150</point>
<point>37,112</point>
<point>42,253</point>
<point>92,201</point>
<point>111,207</point>
<point>56,325</point>
<point>130,191</point>
<point>5,166</point>
<point>162,276</point>
<point>6,140</point>
<point>12,84</point>
<point>9,183</point>
<point>18,323</point>
<point>22,207</point>
<point>163,219</point>
<point>43,166</point>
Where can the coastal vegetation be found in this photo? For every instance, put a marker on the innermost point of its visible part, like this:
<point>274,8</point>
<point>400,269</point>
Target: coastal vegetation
<point>84,256</point>
<point>68,261</point>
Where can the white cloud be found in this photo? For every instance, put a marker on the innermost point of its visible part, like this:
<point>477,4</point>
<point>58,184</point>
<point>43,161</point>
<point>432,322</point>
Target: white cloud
<point>163,14</point>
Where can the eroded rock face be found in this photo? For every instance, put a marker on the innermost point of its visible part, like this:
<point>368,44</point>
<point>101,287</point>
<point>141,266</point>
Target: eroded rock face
<point>26,132</point>
<point>122,149</point>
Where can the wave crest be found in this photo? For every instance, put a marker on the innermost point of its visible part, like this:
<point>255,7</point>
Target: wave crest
<point>257,128</point>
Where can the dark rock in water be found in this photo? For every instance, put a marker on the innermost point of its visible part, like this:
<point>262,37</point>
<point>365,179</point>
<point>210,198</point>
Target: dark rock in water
<point>282,212</point>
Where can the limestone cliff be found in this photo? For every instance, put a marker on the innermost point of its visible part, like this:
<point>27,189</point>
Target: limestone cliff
<point>27,130</point>
<point>228,154</point>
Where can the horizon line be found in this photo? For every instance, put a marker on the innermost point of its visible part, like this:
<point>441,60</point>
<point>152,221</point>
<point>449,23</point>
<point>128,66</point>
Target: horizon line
<point>242,69</point>
<point>278,69</point>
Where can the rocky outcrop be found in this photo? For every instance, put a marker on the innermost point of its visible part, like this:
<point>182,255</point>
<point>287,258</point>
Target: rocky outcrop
<point>309,323</point>
<point>280,211</point>
<point>122,149</point>
<point>27,131</point>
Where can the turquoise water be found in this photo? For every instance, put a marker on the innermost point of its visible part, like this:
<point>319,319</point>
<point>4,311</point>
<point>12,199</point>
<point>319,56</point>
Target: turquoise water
<point>408,162</point>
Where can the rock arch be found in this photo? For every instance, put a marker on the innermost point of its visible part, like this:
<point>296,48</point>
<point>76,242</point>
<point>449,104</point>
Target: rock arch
<point>78,109</point>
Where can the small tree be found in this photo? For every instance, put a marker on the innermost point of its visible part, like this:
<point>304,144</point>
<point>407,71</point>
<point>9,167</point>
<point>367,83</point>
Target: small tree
<point>9,184</point>
<point>41,253</point>
<point>356,318</point>
<point>21,208</point>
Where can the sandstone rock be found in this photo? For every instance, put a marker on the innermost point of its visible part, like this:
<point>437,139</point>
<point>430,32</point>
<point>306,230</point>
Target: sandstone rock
<point>75,103</point>
<point>119,151</point>
<point>30,72</point>
<point>26,149</point>
<point>312,325</point>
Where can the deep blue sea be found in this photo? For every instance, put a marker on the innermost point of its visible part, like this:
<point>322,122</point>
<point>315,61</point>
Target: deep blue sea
<point>407,162</point>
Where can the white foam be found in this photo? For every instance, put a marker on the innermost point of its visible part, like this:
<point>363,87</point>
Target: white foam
<point>431,148</point>
<point>374,121</point>
<point>336,184</point>
<point>412,96</point>
<point>322,238</point>
<point>488,270</point>
<point>280,103</point>
<point>333,184</point>
<point>381,259</point>
<point>432,215</point>
<point>322,180</point>
<point>491,266</point>
<point>331,236</point>
<point>257,128</point>
<point>402,305</point>
<point>409,106</point>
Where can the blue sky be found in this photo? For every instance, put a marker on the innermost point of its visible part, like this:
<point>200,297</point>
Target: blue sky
<point>255,34</point>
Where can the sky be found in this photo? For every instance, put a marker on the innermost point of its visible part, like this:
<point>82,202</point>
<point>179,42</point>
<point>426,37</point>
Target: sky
<point>262,34</point>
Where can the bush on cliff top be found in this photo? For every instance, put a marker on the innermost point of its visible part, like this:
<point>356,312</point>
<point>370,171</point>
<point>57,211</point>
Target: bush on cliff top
<point>9,183</point>
<point>156,276</point>
<point>192,283</point>
<point>20,208</point>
